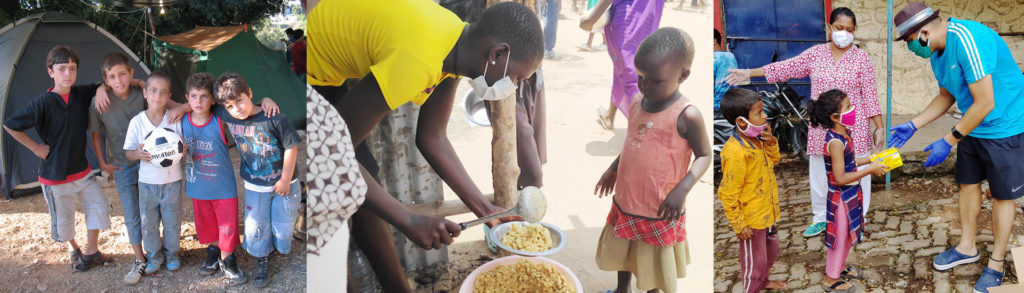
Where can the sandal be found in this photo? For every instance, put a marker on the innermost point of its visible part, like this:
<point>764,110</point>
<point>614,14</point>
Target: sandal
<point>835,287</point>
<point>849,270</point>
<point>603,120</point>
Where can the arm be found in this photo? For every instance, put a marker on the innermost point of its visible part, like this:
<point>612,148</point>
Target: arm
<point>133,145</point>
<point>426,232</point>
<point>835,149</point>
<point>283,185</point>
<point>270,109</point>
<point>531,173</point>
<point>734,170</point>
<point>97,147</point>
<point>175,111</point>
<point>432,140</point>
<point>363,108</point>
<point>938,106</point>
<point>690,125</point>
<point>587,22</point>
<point>984,102</point>
<point>797,67</point>
<point>606,185</point>
<point>41,150</point>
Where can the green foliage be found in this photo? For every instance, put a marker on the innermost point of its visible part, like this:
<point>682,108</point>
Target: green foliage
<point>178,17</point>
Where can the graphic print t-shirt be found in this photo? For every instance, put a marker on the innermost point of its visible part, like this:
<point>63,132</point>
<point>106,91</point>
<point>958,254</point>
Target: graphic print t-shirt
<point>261,142</point>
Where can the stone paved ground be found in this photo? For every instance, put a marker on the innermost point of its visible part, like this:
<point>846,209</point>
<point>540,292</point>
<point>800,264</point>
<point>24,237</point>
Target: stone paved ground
<point>905,228</point>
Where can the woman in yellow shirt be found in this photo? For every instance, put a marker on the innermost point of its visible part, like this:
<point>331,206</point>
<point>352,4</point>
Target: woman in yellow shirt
<point>412,51</point>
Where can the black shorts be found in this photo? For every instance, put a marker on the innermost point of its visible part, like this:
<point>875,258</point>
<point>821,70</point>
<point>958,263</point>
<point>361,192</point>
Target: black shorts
<point>1001,161</point>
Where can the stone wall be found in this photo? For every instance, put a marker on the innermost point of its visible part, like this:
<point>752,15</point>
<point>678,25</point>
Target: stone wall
<point>912,80</point>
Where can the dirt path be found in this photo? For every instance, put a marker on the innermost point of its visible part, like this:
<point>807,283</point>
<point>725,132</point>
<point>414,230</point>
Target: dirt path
<point>30,261</point>
<point>579,151</point>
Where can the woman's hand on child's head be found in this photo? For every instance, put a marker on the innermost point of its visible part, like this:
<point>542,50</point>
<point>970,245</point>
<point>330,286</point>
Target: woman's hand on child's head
<point>269,107</point>
<point>429,232</point>
<point>745,234</point>
<point>606,186</point>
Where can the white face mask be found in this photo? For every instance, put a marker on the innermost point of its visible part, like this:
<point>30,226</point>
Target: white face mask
<point>842,38</point>
<point>501,89</point>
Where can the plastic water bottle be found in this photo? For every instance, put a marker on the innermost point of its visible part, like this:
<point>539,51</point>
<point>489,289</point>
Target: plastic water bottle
<point>363,278</point>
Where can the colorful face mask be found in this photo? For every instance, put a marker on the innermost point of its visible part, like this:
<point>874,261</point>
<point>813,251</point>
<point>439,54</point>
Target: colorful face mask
<point>752,130</point>
<point>849,118</point>
<point>920,47</point>
<point>501,89</point>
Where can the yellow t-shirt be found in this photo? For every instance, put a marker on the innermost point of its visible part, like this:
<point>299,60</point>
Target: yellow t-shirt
<point>403,42</point>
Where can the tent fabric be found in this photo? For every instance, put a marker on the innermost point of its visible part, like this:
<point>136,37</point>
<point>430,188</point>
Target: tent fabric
<point>232,49</point>
<point>23,48</point>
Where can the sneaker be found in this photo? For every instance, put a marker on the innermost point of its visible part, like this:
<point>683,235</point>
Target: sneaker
<point>231,271</point>
<point>173,265</point>
<point>135,272</point>
<point>76,261</point>
<point>262,278</point>
<point>814,229</point>
<point>212,257</point>
<point>989,278</point>
<point>952,258</point>
<point>97,259</point>
<point>550,55</point>
<point>153,265</point>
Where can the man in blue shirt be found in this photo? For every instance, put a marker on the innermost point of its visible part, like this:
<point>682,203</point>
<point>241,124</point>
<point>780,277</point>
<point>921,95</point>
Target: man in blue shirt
<point>975,70</point>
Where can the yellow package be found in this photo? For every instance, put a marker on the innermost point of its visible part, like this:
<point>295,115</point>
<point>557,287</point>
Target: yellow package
<point>889,157</point>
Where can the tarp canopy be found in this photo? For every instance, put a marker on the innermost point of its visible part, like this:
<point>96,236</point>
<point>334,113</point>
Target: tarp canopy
<point>23,48</point>
<point>232,49</point>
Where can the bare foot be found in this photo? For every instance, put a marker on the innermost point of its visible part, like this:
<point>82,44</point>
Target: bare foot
<point>775,285</point>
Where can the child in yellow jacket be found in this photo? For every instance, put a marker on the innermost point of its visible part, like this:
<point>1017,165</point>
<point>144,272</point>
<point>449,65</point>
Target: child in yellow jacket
<point>749,194</point>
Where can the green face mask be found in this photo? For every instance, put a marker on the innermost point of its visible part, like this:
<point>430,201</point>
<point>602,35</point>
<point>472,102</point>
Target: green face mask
<point>920,51</point>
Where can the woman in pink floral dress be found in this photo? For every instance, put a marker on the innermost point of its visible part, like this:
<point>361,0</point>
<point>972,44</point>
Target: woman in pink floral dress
<point>834,65</point>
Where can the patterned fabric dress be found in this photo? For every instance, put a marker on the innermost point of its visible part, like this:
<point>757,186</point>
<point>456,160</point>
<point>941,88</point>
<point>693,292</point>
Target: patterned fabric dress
<point>850,194</point>
<point>854,74</point>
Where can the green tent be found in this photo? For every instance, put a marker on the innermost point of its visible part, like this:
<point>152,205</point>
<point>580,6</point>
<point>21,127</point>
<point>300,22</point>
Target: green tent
<point>234,48</point>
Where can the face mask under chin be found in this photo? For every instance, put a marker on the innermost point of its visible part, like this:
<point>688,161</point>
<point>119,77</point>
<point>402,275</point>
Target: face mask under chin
<point>501,89</point>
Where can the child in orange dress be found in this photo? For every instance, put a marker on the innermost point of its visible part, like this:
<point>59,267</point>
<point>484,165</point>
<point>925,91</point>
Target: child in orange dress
<point>666,151</point>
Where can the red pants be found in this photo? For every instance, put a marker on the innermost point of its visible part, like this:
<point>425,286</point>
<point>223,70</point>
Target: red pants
<point>757,255</point>
<point>217,220</point>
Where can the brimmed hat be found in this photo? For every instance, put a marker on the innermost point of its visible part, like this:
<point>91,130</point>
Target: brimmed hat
<point>912,18</point>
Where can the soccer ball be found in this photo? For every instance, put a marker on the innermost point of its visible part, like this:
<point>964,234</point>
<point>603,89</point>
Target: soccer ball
<point>164,146</point>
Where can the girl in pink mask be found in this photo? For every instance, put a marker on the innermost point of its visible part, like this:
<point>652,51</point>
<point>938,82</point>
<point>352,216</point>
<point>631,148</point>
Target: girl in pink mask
<point>845,221</point>
<point>838,64</point>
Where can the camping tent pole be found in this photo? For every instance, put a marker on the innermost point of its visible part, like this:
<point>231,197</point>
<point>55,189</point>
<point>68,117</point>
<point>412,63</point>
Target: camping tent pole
<point>888,88</point>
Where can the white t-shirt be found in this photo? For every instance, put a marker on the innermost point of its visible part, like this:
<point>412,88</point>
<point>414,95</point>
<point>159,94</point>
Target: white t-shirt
<point>150,173</point>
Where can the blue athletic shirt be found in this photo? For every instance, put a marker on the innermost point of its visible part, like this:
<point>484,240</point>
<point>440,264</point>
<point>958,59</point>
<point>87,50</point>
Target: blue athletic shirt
<point>209,174</point>
<point>972,52</point>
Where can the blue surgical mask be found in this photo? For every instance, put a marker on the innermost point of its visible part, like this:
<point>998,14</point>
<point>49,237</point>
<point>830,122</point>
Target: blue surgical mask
<point>920,47</point>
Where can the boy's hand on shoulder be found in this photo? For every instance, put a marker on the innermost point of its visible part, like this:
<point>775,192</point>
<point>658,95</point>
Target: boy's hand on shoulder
<point>174,115</point>
<point>672,207</point>
<point>42,151</point>
<point>269,107</point>
<point>606,185</point>
<point>101,101</point>
<point>745,234</point>
<point>282,187</point>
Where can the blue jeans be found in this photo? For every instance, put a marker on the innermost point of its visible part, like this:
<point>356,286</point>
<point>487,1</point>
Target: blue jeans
<point>551,10</point>
<point>161,203</point>
<point>270,221</point>
<point>127,181</point>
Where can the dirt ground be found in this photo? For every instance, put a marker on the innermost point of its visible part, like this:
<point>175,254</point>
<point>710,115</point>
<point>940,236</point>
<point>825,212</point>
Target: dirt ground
<point>31,261</point>
<point>578,153</point>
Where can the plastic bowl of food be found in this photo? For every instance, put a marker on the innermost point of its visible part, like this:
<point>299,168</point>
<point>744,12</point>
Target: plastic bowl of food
<point>468,284</point>
<point>557,238</point>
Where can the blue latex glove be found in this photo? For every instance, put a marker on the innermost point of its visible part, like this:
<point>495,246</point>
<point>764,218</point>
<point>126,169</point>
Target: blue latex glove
<point>940,149</point>
<point>901,133</point>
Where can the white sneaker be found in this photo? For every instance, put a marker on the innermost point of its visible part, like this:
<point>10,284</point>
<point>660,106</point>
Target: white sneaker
<point>135,272</point>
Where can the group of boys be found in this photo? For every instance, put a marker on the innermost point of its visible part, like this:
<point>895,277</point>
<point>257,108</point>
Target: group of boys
<point>128,110</point>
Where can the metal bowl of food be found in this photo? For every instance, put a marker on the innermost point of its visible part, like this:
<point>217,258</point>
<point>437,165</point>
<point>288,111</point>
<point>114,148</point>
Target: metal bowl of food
<point>558,238</point>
